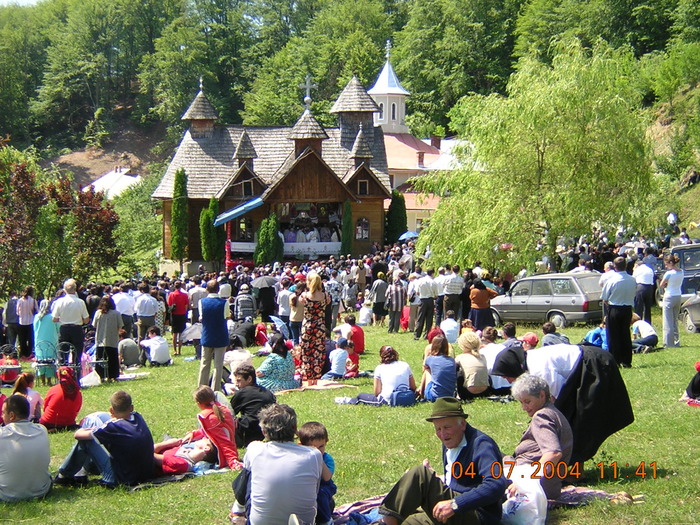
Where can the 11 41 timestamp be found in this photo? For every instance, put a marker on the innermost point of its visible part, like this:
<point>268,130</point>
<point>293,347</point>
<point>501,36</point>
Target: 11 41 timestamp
<point>642,470</point>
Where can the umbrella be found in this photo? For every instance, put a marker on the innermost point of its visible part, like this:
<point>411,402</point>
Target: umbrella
<point>192,332</point>
<point>264,281</point>
<point>408,235</point>
<point>281,327</point>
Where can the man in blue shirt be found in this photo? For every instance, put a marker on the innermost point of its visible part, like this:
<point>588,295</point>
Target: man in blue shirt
<point>470,493</point>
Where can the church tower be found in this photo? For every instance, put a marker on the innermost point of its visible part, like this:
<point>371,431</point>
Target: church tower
<point>390,96</point>
<point>201,115</point>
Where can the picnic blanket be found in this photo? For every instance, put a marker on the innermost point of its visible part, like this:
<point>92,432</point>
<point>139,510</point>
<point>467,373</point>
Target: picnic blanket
<point>323,384</point>
<point>365,511</point>
<point>162,480</point>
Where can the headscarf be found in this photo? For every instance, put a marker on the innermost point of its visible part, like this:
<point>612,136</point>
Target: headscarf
<point>43,308</point>
<point>510,362</point>
<point>69,385</point>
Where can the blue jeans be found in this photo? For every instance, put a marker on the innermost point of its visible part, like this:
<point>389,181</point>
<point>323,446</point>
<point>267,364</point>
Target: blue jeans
<point>296,331</point>
<point>84,454</point>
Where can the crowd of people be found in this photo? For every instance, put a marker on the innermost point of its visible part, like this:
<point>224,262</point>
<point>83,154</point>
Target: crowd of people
<point>315,312</point>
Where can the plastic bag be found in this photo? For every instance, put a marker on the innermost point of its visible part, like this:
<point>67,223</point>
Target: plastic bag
<point>529,505</point>
<point>92,379</point>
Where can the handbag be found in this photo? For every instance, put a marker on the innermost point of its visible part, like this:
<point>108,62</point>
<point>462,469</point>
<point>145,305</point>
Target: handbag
<point>402,396</point>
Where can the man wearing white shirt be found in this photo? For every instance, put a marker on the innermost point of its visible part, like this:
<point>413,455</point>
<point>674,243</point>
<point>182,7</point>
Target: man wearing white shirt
<point>427,291</point>
<point>145,308</point>
<point>440,302</point>
<point>644,296</point>
<point>454,283</point>
<point>618,294</point>
<point>71,311</point>
<point>124,303</point>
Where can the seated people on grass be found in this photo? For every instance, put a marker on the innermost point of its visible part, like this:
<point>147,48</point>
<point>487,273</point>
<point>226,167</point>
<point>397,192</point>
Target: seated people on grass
<point>548,439</point>
<point>217,424</point>
<point>314,434</point>
<point>128,350</point>
<point>644,337</point>
<point>24,453</point>
<point>352,363</point>
<point>248,401</point>
<point>432,334</point>
<point>389,376</point>
<point>439,372</point>
<point>155,349</point>
<point>338,358</point>
<point>276,372</point>
<point>551,336</point>
<point>121,449</point>
<point>472,374</point>
<point>275,465</point>
<point>175,457</point>
<point>584,382</point>
<point>692,392</point>
<point>469,494</point>
<point>499,385</point>
<point>450,327</point>
<point>62,402</point>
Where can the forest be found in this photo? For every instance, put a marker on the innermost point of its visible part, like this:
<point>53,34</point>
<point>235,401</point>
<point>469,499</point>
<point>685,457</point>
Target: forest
<point>71,70</point>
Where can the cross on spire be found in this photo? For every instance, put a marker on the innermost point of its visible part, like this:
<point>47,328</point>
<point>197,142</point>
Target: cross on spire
<point>388,49</point>
<point>308,86</point>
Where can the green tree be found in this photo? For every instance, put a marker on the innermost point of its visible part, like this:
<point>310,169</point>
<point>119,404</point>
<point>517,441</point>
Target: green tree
<point>450,48</point>
<point>348,229</point>
<point>212,237</point>
<point>179,230</point>
<point>567,147</point>
<point>270,247</point>
<point>396,219</point>
<point>686,21</point>
<point>345,38</point>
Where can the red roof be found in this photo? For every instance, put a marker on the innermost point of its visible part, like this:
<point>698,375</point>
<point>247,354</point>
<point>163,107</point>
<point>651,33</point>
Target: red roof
<point>402,151</point>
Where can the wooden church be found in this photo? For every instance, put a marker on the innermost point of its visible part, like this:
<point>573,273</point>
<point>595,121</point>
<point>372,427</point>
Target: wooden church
<point>304,174</point>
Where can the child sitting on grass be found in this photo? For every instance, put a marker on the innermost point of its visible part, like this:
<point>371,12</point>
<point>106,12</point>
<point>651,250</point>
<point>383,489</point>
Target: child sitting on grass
<point>337,358</point>
<point>352,363</point>
<point>314,434</point>
<point>691,396</point>
<point>175,457</point>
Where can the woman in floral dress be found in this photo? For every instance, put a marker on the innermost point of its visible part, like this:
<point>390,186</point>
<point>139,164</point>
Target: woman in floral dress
<point>313,330</point>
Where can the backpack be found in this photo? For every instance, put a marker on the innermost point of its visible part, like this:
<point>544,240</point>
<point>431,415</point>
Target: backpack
<point>402,397</point>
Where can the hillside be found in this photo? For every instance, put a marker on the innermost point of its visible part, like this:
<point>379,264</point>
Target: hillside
<point>130,146</point>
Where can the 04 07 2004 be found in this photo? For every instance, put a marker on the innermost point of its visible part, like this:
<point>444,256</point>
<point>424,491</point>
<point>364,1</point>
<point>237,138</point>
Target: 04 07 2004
<point>547,470</point>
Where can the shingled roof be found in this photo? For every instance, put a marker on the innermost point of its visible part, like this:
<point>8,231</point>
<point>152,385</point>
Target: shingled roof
<point>354,98</point>
<point>307,127</point>
<point>200,109</point>
<point>210,162</point>
<point>245,149</point>
<point>361,149</point>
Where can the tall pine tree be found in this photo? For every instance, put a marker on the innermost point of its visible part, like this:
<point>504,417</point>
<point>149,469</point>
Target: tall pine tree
<point>178,218</point>
<point>396,219</point>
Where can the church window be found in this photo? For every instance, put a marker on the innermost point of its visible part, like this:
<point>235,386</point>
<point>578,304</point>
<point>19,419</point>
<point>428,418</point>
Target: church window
<point>381,111</point>
<point>245,229</point>
<point>362,229</point>
<point>247,188</point>
<point>393,112</point>
<point>363,187</point>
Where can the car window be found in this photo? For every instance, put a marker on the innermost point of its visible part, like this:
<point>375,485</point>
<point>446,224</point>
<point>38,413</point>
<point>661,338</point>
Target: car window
<point>541,287</point>
<point>522,288</point>
<point>691,260</point>
<point>590,284</point>
<point>563,287</point>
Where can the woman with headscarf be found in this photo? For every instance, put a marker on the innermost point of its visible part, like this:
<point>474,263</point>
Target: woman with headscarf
<point>45,342</point>
<point>480,296</point>
<point>276,372</point>
<point>585,383</point>
<point>62,402</point>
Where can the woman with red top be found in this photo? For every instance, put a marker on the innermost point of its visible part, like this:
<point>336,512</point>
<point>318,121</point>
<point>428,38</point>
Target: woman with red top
<point>179,303</point>
<point>62,402</point>
<point>218,426</point>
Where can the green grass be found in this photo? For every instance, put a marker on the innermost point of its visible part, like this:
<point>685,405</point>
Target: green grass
<point>373,446</point>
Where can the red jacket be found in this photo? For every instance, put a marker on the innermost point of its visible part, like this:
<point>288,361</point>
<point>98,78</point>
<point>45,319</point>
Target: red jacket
<point>222,434</point>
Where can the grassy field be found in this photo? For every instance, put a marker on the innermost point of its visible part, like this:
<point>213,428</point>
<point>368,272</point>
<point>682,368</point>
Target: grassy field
<point>373,446</point>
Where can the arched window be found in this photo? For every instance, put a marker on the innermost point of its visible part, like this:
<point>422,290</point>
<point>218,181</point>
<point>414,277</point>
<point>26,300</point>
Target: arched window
<point>362,229</point>
<point>393,111</point>
<point>381,111</point>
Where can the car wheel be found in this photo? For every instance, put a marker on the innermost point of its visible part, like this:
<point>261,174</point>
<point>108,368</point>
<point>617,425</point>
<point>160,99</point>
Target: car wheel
<point>557,320</point>
<point>496,319</point>
<point>688,322</point>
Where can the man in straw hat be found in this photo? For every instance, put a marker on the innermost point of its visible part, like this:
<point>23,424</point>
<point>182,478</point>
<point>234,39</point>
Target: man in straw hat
<point>473,486</point>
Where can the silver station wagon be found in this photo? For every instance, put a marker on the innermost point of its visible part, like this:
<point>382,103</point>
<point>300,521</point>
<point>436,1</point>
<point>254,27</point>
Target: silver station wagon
<point>561,298</point>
